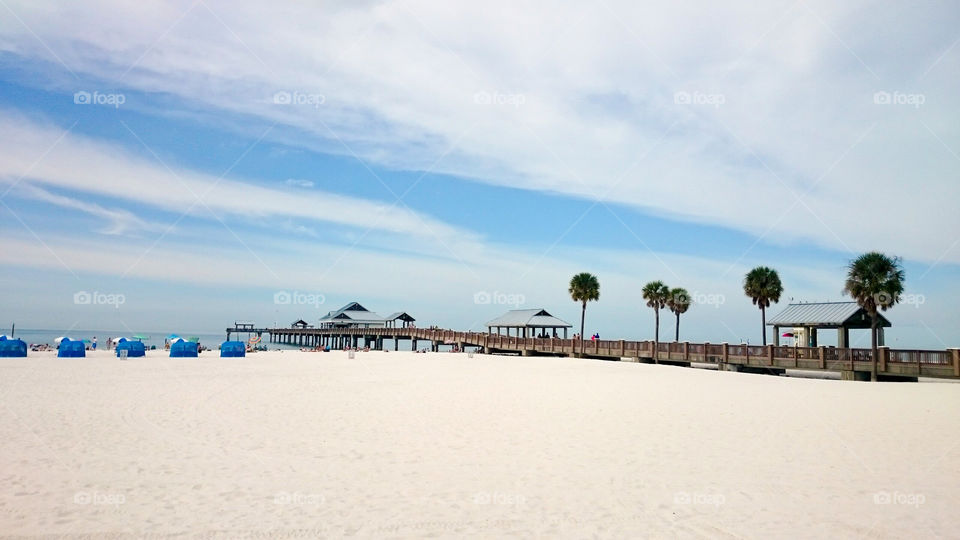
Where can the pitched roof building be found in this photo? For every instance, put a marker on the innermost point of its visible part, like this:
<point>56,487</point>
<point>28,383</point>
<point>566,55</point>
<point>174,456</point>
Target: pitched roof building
<point>527,323</point>
<point>806,318</point>
<point>354,315</point>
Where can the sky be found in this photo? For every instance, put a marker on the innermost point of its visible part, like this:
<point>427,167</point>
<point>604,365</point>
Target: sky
<point>178,166</point>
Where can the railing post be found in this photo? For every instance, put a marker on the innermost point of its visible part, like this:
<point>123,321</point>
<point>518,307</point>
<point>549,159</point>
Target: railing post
<point>956,362</point>
<point>623,349</point>
<point>706,351</point>
<point>883,356</point>
<point>686,351</point>
<point>770,355</point>
<point>725,354</point>
<point>823,356</point>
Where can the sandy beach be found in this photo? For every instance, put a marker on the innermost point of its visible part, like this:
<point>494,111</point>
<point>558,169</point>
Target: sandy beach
<point>291,444</point>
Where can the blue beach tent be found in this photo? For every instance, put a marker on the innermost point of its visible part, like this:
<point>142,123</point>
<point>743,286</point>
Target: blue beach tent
<point>133,348</point>
<point>183,349</point>
<point>233,349</point>
<point>70,348</point>
<point>13,348</point>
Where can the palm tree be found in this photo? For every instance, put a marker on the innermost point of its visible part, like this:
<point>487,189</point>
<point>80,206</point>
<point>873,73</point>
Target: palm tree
<point>656,294</point>
<point>678,303</point>
<point>584,287</point>
<point>763,286</point>
<point>875,281</point>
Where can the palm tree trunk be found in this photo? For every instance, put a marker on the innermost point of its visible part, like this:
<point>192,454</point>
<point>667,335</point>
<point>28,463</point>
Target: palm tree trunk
<point>656,336</point>
<point>583,314</point>
<point>677,336</point>
<point>763,324</point>
<point>873,347</point>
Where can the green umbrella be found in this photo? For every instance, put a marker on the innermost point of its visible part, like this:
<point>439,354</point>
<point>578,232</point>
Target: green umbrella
<point>141,337</point>
<point>194,339</point>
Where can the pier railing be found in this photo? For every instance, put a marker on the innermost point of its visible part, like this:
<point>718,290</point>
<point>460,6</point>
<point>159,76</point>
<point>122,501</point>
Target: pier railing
<point>932,363</point>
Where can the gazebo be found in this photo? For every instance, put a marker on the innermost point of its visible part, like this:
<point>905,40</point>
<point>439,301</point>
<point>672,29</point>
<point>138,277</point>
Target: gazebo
<point>402,316</point>
<point>805,319</point>
<point>527,322</point>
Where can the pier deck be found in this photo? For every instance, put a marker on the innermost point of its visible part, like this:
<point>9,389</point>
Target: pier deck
<point>853,364</point>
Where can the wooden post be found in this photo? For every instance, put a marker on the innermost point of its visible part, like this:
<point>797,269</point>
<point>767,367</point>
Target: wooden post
<point>623,349</point>
<point>956,362</point>
<point>883,356</point>
<point>770,355</point>
<point>725,354</point>
<point>686,351</point>
<point>823,357</point>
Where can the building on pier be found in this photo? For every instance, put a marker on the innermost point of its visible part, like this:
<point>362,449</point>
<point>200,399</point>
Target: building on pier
<point>805,319</point>
<point>354,315</point>
<point>529,323</point>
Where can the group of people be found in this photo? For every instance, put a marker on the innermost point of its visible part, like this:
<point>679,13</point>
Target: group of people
<point>592,338</point>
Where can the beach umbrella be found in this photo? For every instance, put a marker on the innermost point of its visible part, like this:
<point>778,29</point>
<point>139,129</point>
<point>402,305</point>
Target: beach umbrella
<point>194,339</point>
<point>3,337</point>
<point>141,337</point>
<point>59,339</point>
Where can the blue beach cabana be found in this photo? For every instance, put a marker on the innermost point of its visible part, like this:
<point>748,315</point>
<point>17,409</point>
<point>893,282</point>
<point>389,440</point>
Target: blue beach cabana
<point>12,348</point>
<point>233,349</point>
<point>134,348</point>
<point>72,348</point>
<point>183,349</point>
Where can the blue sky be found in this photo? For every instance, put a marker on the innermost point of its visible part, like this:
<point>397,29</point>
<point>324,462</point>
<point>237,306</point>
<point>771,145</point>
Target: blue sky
<point>431,155</point>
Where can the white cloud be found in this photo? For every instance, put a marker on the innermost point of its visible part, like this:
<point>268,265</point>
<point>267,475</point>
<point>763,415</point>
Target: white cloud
<point>797,147</point>
<point>47,156</point>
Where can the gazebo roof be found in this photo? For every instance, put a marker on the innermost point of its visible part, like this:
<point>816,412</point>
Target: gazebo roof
<point>826,315</point>
<point>352,312</point>
<point>402,315</point>
<point>528,318</point>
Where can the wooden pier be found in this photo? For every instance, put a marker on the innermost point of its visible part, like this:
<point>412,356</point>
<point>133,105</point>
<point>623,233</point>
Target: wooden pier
<point>852,364</point>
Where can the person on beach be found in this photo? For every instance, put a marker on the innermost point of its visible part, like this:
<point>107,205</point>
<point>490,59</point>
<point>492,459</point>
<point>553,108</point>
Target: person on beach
<point>94,343</point>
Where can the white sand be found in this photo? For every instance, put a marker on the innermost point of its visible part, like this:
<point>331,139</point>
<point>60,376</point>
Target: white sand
<point>437,445</point>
